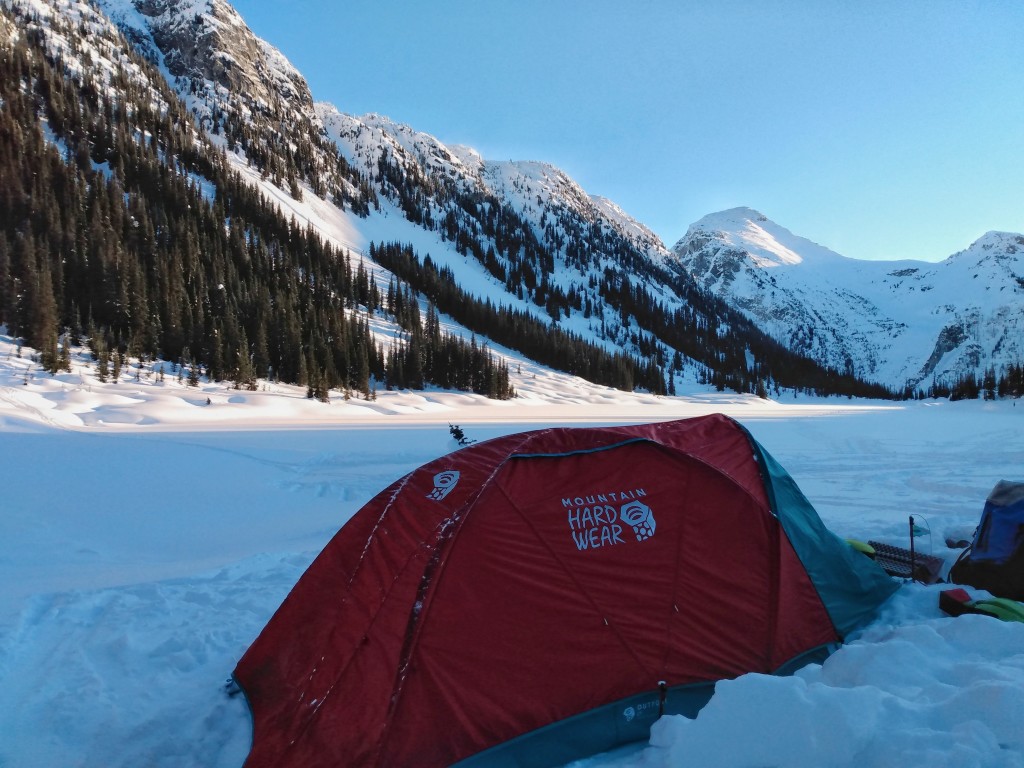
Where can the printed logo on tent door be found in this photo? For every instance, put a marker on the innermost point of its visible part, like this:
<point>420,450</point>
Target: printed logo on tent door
<point>444,483</point>
<point>605,519</point>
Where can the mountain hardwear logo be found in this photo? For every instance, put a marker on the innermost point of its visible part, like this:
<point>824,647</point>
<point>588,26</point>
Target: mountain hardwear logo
<point>596,520</point>
<point>640,518</point>
<point>444,483</point>
<point>645,710</point>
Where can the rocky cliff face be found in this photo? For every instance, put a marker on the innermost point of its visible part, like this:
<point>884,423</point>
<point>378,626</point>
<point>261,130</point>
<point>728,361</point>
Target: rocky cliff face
<point>242,90</point>
<point>209,41</point>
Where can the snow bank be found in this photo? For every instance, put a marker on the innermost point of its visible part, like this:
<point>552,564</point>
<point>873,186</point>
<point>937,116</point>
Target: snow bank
<point>146,537</point>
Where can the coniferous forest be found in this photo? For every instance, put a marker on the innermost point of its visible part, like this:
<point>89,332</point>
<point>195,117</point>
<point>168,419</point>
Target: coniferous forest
<point>125,227</point>
<point>706,330</point>
<point>112,236</point>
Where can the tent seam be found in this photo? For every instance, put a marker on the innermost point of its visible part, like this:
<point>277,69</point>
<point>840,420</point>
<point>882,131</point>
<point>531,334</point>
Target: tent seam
<point>425,594</point>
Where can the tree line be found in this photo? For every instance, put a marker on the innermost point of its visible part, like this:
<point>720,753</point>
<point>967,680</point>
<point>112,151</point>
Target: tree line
<point>516,328</point>
<point>610,285</point>
<point>1008,382</point>
<point>125,228</point>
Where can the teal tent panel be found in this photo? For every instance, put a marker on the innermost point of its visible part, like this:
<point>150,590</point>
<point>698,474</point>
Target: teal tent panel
<point>850,585</point>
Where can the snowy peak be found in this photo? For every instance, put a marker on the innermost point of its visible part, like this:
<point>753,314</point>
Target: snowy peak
<point>367,141</point>
<point>750,234</point>
<point>534,184</point>
<point>999,252</point>
<point>902,323</point>
<point>1011,242</point>
<point>534,187</point>
<point>242,90</point>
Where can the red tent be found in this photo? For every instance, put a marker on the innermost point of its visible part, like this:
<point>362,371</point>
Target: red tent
<point>543,596</point>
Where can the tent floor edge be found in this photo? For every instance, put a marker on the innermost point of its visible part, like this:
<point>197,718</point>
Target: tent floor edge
<point>589,733</point>
<point>614,725</point>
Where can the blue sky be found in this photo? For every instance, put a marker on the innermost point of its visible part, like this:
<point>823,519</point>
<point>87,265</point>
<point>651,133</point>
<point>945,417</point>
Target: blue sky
<point>878,129</point>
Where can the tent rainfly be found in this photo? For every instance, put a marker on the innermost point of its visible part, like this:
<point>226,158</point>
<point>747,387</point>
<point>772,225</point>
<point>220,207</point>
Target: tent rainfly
<point>545,596</point>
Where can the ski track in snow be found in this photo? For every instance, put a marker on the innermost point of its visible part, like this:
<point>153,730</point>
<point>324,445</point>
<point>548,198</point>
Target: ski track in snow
<point>173,642</point>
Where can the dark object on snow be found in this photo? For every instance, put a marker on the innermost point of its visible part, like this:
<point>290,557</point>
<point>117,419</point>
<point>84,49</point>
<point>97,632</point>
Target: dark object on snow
<point>995,558</point>
<point>459,435</point>
<point>956,602</point>
<point>904,564</point>
<point>540,597</point>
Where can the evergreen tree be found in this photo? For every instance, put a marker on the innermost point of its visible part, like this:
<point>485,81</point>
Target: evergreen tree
<point>64,356</point>
<point>103,363</point>
<point>244,376</point>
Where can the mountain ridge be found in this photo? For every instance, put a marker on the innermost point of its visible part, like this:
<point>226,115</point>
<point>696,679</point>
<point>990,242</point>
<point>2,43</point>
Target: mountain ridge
<point>874,318</point>
<point>539,241</point>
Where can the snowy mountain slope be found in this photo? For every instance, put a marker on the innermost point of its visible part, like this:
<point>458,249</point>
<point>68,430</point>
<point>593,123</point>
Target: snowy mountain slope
<point>537,239</point>
<point>84,39</point>
<point>531,188</point>
<point>525,235</point>
<point>242,89</point>
<point>904,323</point>
<point>129,151</point>
<point>243,93</point>
<point>253,104</point>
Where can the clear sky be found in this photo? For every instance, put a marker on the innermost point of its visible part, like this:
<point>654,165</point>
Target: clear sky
<point>879,129</point>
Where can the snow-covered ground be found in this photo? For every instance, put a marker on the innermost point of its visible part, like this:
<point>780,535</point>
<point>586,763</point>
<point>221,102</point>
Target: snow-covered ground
<point>149,530</point>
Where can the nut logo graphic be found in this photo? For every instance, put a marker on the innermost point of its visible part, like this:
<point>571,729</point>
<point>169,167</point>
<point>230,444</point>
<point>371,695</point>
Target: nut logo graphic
<point>444,483</point>
<point>629,713</point>
<point>639,516</point>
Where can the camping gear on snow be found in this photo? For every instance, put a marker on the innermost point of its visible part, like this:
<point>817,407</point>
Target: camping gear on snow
<point>957,602</point>
<point>862,546</point>
<point>907,564</point>
<point>995,558</point>
<point>544,596</point>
